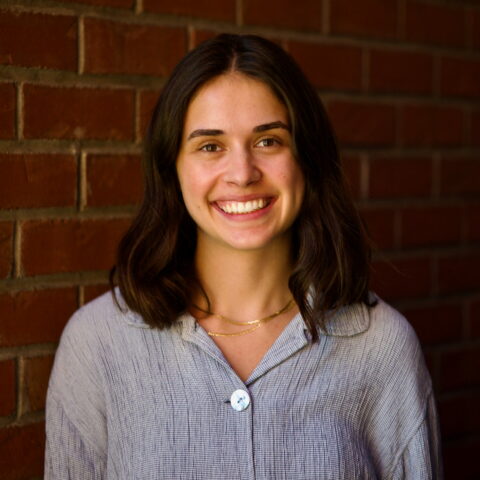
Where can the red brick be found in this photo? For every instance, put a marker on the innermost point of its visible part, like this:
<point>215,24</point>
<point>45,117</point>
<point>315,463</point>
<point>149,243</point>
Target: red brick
<point>113,180</point>
<point>434,24</point>
<point>358,123</point>
<point>30,180</point>
<point>148,100</point>
<point>460,77</point>
<point>475,134</point>
<point>474,316</point>
<point>78,113</point>
<point>403,278</point>
<point>459,273</point>
<point>400,177</point>
<point>35,381</point>
<point>460,414</point>
<point>329,66</point>
<point>22,451</point>
<point>93,291</point>
<point>473,222</point>
<point>70,245</point>
<point>105,3</point>
<point>6,248</point>
<point>214,9</point>
<point>397,71</point>
<point>460,176</point>
<point>460,458</point>
<point>436,324</point>
<point>431,125</point>
<point>459,368</point>
<point>306,14</point>
<point>113,47</point>
<point>7,392</point>
<point>7,110</point>
<point>35,317</point>
<point>351,167</point>
<point>38,40</point>
<point>380,224</point>
<point>428,226</point>
<point>199,36</point>
<point>372,18</point>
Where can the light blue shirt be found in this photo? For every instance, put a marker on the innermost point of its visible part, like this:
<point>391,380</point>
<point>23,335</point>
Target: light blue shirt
<point>129,402</point>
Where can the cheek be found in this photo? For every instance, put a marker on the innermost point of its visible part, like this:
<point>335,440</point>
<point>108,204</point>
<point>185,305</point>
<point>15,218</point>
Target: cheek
<point>193,193</point>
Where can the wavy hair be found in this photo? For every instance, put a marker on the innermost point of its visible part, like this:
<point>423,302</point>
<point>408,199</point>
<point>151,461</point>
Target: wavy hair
<point>154,268</point>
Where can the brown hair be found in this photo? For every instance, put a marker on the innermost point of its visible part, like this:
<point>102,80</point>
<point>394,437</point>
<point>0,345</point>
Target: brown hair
<point>155,257</point>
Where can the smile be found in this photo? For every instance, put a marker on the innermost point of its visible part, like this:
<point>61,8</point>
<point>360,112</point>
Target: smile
<point>241,208</point>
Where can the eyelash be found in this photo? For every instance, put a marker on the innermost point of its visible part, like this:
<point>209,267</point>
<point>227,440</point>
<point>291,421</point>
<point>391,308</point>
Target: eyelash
<point>208,146</point>
<point>204,148</point>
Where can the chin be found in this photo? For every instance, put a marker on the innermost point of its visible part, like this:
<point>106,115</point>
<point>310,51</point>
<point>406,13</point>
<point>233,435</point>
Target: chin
<point>252,243</point>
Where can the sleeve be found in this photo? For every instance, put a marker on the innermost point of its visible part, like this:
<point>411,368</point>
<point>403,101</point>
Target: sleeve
<point>76,427</point>
<point>421,459</point>
<point>66,454</point>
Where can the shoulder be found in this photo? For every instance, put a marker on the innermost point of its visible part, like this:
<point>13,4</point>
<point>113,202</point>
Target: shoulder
<point>391,327</point>
<point>103,315</point>
<point>380,339</point>
<point>394,348</point>
<point>93,336</point>
<point>379,321</point>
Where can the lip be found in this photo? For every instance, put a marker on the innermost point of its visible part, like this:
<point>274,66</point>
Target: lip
<point>244,198</point>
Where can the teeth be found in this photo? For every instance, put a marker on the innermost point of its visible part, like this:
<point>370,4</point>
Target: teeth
<point>244,207</point>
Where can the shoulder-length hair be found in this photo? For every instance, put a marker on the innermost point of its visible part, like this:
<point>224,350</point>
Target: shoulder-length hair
<point>154,268</point>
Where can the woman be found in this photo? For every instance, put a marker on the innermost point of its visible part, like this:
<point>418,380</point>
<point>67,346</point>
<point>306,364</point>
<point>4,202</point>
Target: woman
<point>242,341</point>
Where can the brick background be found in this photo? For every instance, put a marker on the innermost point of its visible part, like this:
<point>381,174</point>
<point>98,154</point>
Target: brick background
<point>78,82</point>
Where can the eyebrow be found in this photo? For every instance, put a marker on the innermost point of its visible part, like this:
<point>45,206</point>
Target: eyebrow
<point>206,132</point>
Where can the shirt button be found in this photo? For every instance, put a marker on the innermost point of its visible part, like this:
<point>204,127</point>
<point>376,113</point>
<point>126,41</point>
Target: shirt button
<point>240,400</point>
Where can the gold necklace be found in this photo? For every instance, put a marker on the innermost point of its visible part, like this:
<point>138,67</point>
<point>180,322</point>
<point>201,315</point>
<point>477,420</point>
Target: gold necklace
<point>257,323</point>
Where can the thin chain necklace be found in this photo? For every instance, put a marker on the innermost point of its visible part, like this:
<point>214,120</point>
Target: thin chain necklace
<point>256,323</point>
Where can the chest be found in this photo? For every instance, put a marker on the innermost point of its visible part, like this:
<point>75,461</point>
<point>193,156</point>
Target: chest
<point>176,420</point>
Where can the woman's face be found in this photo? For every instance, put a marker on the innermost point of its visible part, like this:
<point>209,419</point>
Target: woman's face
<point>239,179</point>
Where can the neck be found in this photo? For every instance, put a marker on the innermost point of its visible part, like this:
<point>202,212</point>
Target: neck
<point>253,282</point>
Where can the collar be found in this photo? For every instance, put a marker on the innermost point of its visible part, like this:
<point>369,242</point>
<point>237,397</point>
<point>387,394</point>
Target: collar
<point>346,321</point>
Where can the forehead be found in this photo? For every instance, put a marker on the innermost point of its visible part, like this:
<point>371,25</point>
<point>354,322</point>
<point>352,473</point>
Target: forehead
<point>235,100</point>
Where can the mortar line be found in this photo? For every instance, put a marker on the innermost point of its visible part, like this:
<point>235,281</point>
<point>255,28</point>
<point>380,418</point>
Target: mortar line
<point>80,295</point>
<point>17,246</point>
<point>401,21</point>
<point>239,12</point>
<point>364,176</point>
<point>191,37</point>
<point>19,120</point>
<point>81,45</point>
<point>20,390</point>
<point>82,181</point>
<point>326,7</point>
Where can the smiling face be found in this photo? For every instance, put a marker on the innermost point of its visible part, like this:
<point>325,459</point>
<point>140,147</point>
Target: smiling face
<point>239,179</point>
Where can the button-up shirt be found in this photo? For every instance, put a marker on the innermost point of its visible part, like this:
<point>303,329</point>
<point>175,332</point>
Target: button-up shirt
<point>127,401</point>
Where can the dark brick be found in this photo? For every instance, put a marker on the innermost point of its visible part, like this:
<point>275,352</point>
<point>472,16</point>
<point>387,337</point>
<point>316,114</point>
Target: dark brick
<point>78,113</point>
<point>35,316</point>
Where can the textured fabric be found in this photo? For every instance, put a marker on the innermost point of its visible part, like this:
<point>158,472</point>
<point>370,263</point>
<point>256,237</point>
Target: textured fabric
<point>129,402</point>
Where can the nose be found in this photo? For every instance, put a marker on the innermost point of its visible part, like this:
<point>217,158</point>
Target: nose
<point>242,169</point>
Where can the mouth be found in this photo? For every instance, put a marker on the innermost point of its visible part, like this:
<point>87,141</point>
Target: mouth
<point>243,208</point>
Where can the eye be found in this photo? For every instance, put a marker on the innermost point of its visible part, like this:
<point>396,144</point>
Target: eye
<point>210,147</point>
<point>268,142</point>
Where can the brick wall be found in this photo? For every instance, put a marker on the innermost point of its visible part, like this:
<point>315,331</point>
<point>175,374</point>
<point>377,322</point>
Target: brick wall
<point>78,80</point>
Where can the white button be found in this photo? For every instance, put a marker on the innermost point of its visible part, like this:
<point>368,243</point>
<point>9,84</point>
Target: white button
<point>240,400</point>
